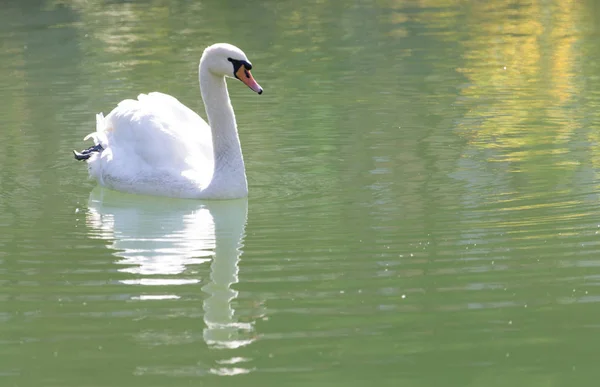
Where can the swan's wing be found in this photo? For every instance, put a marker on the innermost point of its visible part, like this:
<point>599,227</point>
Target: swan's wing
<point>189,125</point>
<point>177,112</point>
<point>156,125</point>
<point>153,136</point>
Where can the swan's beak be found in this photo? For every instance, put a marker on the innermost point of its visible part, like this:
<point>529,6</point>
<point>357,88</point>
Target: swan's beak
<point>244,75</point>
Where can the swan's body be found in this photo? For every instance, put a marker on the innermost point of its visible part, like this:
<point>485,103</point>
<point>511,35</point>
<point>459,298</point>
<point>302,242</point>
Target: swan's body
<point>156,145</point>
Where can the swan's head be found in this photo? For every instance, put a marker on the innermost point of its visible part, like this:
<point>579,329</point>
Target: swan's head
<point>226,60</point>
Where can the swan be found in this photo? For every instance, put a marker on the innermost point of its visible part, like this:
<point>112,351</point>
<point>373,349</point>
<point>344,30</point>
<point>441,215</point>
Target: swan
<point>156,145</point>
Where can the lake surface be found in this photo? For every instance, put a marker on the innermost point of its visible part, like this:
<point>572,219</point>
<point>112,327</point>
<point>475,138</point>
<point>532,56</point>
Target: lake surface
<point>423,209</point>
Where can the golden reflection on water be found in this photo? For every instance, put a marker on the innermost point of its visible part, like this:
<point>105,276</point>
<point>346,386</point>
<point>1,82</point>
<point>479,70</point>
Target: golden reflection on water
<point>520,64</point>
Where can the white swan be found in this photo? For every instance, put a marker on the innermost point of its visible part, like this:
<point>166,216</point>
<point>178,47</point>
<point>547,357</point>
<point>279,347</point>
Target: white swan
<point>155,145</point>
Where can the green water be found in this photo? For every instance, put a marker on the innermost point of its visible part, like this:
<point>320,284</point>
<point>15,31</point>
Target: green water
<point>423,206</point>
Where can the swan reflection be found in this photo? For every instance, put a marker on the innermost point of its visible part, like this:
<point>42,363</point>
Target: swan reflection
<point>162,241</point>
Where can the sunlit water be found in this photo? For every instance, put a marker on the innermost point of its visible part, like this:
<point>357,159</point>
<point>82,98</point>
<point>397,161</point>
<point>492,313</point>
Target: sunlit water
<point>423,201</point>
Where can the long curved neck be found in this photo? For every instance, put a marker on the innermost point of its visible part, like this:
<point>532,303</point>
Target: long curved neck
<point>229,177</point>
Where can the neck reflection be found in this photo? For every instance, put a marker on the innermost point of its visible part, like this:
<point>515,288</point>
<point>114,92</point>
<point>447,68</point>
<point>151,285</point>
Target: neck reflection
<point>160,242</point>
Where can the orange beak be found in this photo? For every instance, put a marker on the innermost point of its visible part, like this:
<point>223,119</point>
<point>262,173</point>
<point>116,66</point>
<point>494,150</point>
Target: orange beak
<point>244,75</point>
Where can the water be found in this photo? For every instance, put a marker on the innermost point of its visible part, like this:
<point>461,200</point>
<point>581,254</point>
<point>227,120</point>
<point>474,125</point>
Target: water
<point>423,201</point>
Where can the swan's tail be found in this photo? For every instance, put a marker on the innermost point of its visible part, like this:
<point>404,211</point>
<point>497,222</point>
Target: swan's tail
<point>99,138</point>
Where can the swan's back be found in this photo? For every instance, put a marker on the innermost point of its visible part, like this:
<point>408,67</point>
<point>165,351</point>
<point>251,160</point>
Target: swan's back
<point>153,145</point>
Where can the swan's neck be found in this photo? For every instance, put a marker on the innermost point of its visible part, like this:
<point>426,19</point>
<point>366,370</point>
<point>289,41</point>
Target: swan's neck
<point>229,177</point>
